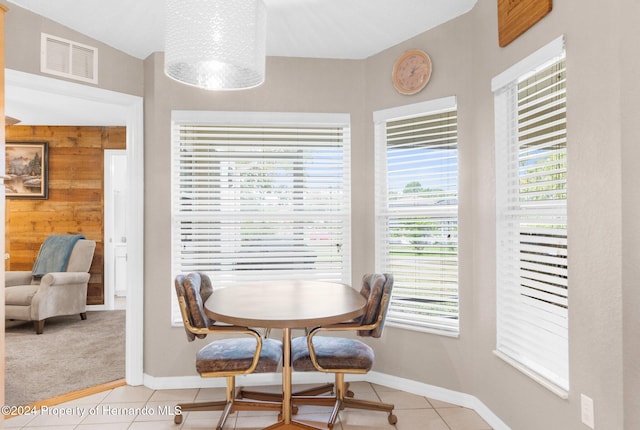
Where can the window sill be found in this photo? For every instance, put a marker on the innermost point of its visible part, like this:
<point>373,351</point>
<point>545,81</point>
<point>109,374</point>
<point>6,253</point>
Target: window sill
<point>452,334</point>
<point>558,391</point>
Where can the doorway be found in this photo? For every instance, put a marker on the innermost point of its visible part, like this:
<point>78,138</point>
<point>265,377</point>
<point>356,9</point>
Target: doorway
<point>36,100</point>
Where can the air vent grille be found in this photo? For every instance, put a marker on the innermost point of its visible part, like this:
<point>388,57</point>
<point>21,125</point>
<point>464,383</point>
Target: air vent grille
<point>62,57</point>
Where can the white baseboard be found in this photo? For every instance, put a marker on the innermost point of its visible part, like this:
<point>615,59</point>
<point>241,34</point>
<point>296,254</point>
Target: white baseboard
<point>408,385</point>
<point>438,393</point>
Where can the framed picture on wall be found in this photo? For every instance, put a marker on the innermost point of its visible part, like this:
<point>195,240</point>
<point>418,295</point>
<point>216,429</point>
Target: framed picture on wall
<point>26,170</point>
<point>517,16</point>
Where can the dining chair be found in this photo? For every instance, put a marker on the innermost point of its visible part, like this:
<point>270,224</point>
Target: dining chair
<point>342,355</point>
<point>227,357</point>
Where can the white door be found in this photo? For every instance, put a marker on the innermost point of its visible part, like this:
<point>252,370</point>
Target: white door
<point>115,228</point>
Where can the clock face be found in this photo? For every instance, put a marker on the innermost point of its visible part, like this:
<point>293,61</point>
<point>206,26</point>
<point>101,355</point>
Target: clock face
<point>411,72</point>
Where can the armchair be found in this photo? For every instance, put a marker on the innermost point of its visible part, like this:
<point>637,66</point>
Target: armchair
<point>40,294</point>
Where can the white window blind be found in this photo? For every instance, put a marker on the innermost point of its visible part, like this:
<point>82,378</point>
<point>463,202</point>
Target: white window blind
<point>261,196</point>
<point>531,164</point>
<point>417,213</point>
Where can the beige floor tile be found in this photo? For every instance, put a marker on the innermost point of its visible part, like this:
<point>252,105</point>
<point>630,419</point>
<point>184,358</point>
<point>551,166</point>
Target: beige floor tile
<point>363,391</point>
<point>380,388</point>
<point>268,412</point>
<point>129,394</point>
<point>205,420</point>
<point>210,394</point>
<point>298,387</point>
<point>158,411</point>
<point>50,427</point>
<point>438,404</point>
<point>93,399</point>
<point>320,420</point>
<point>107,413</point>
<point>314,410</point>
<point>361,420</point>
<point>60,415</point>
<point>422,419</point>
<point>111,426</point>
<point>403,400</point>
<point>254,422</point>
<point>185,395</point>
<point>18,421</point>
<point>463,419</point>
<point>155,425</point>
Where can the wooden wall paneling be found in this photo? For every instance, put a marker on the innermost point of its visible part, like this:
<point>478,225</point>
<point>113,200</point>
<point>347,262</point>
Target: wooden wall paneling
<point>76,196</point>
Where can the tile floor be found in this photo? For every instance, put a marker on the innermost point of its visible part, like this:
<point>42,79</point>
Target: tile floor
<point>140,408</point>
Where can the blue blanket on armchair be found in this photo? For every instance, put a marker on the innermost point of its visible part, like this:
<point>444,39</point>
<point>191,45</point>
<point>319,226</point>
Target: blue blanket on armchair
<point>54,254</point>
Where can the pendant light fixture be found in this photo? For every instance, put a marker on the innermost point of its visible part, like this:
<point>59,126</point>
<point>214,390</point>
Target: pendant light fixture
<point>216,44</point>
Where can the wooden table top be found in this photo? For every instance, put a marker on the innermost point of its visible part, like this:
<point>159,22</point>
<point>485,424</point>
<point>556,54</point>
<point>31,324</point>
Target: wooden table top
<point>285,304</point>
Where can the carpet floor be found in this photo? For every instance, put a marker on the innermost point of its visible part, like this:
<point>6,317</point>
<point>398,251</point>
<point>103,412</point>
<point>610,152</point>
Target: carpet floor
<point>70,355</point>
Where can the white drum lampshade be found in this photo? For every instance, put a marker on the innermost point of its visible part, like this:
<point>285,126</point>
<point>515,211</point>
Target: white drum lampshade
<point>216,44</point>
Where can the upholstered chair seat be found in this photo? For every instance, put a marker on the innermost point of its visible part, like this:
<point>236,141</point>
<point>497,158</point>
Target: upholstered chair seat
<point>236,355</point>
<point>332,353</point>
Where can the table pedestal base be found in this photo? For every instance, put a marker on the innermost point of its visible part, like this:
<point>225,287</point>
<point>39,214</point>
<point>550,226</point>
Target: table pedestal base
<point>291,426</point>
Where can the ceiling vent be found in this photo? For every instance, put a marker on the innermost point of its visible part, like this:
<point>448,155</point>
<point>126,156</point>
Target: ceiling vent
<point>62,57</point>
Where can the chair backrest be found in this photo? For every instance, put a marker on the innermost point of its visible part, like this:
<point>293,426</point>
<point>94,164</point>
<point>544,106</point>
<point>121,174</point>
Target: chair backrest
<point>194,288</point>
<point>81,256</point>
<point>79,259</point>
<point>376,288</point>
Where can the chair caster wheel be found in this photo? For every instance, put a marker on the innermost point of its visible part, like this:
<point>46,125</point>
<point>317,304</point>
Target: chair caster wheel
<point>177,419</point>
<point>392,419</point>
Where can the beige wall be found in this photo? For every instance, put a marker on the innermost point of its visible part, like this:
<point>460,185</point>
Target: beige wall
<point>292,85</point>
<point>603,135</point>
<point>117,71</point>
<point>601,44</point>
<point>629,66</point>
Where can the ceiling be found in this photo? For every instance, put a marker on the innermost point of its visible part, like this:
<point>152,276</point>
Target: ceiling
<point>343,29</point>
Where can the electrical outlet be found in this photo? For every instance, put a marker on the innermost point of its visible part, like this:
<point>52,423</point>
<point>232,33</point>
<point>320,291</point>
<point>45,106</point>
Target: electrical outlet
<point>586,411</point>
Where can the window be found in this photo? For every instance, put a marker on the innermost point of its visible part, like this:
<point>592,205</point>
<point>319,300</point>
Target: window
<point>259,196</point>
<point>417,213</point>
<point>531,198</point>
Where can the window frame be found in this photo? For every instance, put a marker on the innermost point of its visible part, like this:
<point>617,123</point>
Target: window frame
<point>426,319</point>
<point>514,255</point>
<point>244,266</point>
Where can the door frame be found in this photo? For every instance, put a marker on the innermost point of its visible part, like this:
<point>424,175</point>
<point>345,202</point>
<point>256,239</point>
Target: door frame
<point>109,223</point>
<point>127,110</point>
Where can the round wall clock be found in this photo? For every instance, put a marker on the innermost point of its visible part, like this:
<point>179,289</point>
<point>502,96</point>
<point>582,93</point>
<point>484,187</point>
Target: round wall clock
<point>411,72</point>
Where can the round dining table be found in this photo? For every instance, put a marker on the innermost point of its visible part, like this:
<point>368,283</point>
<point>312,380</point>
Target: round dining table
<point>286,305</point>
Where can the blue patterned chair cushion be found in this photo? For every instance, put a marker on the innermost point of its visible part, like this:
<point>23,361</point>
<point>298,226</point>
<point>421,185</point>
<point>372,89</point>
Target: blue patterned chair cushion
<point>195,288</point>
<point>371,290</point>
<point>237,355</point>
<point>378,290</point>
<point>331,353</point>
<point>195,304</point>
<point>178,283</point>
